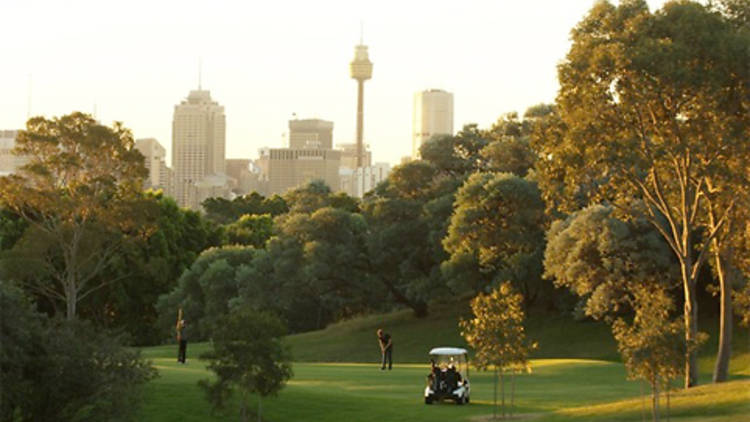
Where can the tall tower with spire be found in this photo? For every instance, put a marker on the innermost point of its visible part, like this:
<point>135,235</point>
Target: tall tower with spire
<point>361,70</point>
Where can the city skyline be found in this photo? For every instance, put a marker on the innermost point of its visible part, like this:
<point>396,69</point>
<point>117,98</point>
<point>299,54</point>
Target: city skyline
<point>263,65</point>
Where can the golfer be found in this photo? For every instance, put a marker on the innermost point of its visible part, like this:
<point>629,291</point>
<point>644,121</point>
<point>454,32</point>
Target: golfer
<point>386,348</point>
<point>182,340</point>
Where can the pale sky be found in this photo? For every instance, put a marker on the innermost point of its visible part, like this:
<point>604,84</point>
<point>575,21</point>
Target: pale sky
<point>133,61</point>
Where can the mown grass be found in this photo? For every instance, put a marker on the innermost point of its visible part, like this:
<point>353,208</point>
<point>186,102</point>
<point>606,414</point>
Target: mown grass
<point>559,389</point>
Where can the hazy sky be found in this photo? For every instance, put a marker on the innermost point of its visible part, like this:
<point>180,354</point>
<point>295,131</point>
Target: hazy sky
<point>134,60</point>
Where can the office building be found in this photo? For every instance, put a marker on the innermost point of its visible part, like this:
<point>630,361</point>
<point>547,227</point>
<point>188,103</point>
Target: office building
<point>357,182</point>
<point>282,169</point>
<point>198,145</point>
<point>433,115</point>
<point>9,162</point>
<point>310,134</point>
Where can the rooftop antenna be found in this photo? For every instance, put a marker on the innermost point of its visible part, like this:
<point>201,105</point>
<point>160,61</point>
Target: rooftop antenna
<point>200,72</point>
<point>95,118</point>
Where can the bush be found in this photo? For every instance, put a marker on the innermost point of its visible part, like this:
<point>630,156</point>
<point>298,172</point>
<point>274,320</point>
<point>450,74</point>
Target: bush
<point>64,370</point>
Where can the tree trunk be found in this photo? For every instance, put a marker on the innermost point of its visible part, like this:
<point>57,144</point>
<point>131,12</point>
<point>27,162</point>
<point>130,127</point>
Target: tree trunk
<point>512,390</point>
<point>502,392</point>
<point>655,400</point>
<point>668,407</point>
<point>260,409</point>
<point>721,369</point>
<point>643,403</point>
<point>494,409</point>
<point>71,299</point>
<point>691,324</point>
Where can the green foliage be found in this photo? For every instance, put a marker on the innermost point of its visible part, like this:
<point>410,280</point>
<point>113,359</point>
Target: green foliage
<point>250,230</point>
<point>604,260</point>
<point>497,334</point>
<point>12,227</point>
<point>247,355</point>
<point>150,267</point>
<point>82,184</point>
<point>496,331</point>
<point>224,211</point>
<point>207,290</point>
<point>652,106</point>
<point>496,234</point>
<point>321,261</point>
<point>64,370</point>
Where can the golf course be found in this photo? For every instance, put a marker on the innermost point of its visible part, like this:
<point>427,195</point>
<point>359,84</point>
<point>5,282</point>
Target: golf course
<point>576,376</point>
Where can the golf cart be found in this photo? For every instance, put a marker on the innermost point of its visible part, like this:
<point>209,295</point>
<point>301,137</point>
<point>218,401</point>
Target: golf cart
<point>449,376</point>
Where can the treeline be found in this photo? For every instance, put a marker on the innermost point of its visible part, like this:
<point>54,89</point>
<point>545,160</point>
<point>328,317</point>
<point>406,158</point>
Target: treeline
<point>630,192</point>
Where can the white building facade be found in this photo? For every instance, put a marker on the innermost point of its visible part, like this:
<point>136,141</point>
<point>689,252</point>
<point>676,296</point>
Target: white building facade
<point>9,162</point>
<point>433,115</point>
<point>198,146</point>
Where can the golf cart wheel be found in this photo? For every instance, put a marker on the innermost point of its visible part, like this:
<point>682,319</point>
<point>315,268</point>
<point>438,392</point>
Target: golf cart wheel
<point>460,401</point>
<point>428,400</point>
<point>466,399</point>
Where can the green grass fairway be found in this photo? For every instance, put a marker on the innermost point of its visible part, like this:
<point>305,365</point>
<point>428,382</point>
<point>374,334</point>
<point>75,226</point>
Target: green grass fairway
<point>577,378</point>
<point>557,390</point>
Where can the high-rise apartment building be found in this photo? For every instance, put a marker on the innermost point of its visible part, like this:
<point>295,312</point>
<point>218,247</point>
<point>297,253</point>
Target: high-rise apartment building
<point>9,162</point>
<point>310,156</point>
<point>198,145</point>
<point>159,175</point>
<point>282,169</point>
<point>433,115</point>
<point>310,133</point>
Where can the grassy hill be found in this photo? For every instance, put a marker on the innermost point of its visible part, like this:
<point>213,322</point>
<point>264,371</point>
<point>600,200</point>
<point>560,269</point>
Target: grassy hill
<point>576,377</point>
<point>558,336</point>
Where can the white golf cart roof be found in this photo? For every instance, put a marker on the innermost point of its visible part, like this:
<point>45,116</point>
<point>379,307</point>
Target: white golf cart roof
<point>448,351</point>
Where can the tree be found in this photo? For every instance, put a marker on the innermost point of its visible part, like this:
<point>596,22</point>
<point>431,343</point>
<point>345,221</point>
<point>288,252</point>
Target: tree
<point>208,290</point>
<point>11,229</point>
<point>497,334</point>
<point>248,355</point>
<point>623,270</point>
<point>61,370</point>
<point>152,266</point>
<point>224,211</point>
<point>250,230</point>
<point>651,105</point>
<point>81,186</point>
<point>652,346</point>
<point>407,217</point>
<point>321,260</point>
<point>496,234</point>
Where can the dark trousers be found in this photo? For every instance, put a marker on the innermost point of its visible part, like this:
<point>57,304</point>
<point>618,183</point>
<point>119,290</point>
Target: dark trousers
<point>182,351</point>
<point>388,356</point>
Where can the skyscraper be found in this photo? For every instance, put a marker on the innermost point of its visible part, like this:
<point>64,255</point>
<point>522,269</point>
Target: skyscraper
<point>310,133</point>
<point>159,175</point>
<point>198,145</point>
<point>433,115</point>
<point>361,70</point>
<point>9,162</point>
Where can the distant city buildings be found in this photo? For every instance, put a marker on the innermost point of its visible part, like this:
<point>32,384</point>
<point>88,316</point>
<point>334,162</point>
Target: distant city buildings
<point>310,156</point>
<point>310,134</point>
<point>244,175</point>
<point>357,182</point>
<point>198,149</point>
<point>433,115</point>
<point>9,162</point>
<point>349,156</point>
<point>159,175</point>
